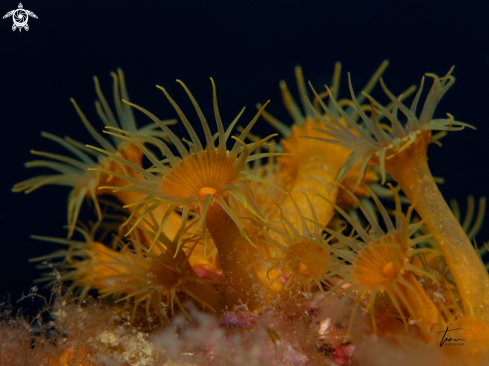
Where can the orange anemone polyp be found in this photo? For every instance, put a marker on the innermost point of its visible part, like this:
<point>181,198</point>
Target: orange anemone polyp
<point>200,174</point>
<point>380,261</point>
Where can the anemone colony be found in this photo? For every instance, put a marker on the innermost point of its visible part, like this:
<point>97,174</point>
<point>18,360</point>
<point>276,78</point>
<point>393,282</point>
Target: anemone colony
<point>234,221</point>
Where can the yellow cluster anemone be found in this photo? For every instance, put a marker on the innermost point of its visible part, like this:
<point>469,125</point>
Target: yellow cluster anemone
<point>214,224</point>
<point>88,265</point>
<point>383,146</point>
<point>80,173</point>
<point>200,176</point>
<point>379,266</point>
<point>299,257</point>
<point>161,278</point>
<point>199,182</point>
<point>312,167</point>
<point>403,154</point>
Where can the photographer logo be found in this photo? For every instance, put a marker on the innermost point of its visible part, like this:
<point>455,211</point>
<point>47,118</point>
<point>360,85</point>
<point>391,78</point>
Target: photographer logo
<point>20,17</point>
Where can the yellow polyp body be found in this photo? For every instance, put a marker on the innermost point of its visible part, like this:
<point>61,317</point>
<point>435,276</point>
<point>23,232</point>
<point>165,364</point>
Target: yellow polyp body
<point>304,262</point>
<point>383,268</point>
<point>102,266</point>
<point>314,166</point>
<point>92,265</point>
<point>200,178</point>
<point>410,169</point>
<point>165,276</point>
<point>242,285</point>
<point>311,171</point>
<point>423,309</point>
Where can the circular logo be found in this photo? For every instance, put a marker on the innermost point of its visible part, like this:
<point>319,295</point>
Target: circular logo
<point>20,17</point>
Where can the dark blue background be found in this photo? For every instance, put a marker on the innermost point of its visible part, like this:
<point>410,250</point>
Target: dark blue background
<point>247,47</point>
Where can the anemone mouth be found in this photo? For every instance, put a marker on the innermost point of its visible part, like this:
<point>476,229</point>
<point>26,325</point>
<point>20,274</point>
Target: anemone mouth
<point>380,262</point>
<point>199,174</point>
<point>309,259</point>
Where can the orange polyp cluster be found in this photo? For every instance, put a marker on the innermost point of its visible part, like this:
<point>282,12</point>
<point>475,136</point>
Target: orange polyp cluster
<point>207,225</point>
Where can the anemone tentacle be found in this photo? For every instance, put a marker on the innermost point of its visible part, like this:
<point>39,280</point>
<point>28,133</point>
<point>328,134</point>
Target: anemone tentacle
<point>314,166</point>
<point>379,144</point>
<point>190,179</point>
<point>299,258</point>
<point>381,265</point>
<point>79,173</point>
<point>86,264</point>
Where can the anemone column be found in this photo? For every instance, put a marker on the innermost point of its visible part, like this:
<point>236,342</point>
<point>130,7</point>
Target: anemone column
<point>410,169</point>
<point>242,283</point>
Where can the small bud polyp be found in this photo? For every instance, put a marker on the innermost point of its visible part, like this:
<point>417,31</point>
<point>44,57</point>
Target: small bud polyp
<point>205,191</point>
